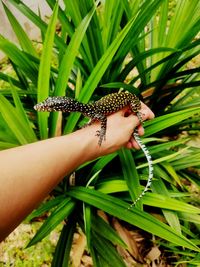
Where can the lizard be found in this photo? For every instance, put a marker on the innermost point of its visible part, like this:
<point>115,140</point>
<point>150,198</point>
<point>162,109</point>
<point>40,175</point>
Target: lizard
<point>99,110</point>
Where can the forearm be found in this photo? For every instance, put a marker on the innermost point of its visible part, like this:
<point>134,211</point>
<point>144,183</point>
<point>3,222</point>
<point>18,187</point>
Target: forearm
<point>30,172</point>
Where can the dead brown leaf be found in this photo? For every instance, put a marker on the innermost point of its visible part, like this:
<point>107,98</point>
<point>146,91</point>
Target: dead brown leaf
<point>128,239</point>
<point>78,249</point>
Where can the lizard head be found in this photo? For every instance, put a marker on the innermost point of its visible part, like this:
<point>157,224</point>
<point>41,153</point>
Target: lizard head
<point>46,105</point>
<point>51,104</point>
<point>57,103</point>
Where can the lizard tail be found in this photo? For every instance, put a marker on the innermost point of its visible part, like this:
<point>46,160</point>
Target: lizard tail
<point>150,164</point>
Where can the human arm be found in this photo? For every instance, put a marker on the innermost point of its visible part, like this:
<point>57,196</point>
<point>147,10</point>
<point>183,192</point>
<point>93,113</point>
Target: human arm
<point>30,172</point>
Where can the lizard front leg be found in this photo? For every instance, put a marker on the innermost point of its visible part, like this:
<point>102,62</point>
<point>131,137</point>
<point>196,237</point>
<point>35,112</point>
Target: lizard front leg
<point>102,132</point>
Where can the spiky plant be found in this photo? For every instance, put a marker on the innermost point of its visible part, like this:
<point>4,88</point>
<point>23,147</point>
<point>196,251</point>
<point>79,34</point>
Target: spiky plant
<point>144,46</point>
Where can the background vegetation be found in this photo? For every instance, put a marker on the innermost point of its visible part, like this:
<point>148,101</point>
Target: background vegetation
<point>145,47</point>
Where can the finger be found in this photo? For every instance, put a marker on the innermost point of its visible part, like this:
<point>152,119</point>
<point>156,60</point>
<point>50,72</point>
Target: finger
<point>129,145</point>
<point>146,112</point>
<point>133,121</point>
<point>133,144</point>
<point>140,129</point>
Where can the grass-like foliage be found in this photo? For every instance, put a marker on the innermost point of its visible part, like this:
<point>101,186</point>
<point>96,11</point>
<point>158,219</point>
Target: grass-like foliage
<point>144,46</point>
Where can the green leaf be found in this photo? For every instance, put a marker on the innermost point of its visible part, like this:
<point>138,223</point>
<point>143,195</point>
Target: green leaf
<point>101,163</point>
<point>71,53</point>
<point>119,85</point>
<point>154,149</point>
<point>6,145</point>
<point>63,210</point>
<point>62,18</point>
<point>107,251</point>
<point>187,217</point>
<point>112,12</point>
<point>183,26</point>
<point>169,158</point>
<point>185,17</point>
<point>19,58</point>
<point>17,124</point>
<point>143,56</point>
<point>98,259</point>
<point>156,200</point>
<point>22,115</point>
<point>47,206</point>
<point>62,253</point>
<point>87,212</point>
<point>78,84</point>
<point>8,78</point>
<point>112,186</point>
<point>119,208</point>
<point>103,229</point>
<point>68,60</point>
<point>36,20</point>
<point>168,120</point>
<point>168,203</point>
<point>44,72</point>
<point>23,39</point>
<point>183,162</point>
<point>130,173</point>
<point>169,169</point>
<point>76,13</point>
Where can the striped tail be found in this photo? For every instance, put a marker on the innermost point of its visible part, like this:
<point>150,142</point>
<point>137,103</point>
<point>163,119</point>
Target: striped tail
<point>150,164</point>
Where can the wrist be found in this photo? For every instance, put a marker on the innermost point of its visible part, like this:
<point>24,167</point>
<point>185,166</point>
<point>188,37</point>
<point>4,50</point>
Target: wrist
<point>88,141</point>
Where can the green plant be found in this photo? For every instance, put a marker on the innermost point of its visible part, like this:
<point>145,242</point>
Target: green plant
<point>137,45</point>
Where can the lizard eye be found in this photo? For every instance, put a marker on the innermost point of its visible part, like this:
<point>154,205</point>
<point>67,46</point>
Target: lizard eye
<point>49,101</point>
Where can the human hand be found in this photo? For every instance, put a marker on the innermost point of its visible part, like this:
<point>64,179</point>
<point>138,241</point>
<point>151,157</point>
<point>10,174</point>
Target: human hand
<point>146,114</point>
<point>120,127</point>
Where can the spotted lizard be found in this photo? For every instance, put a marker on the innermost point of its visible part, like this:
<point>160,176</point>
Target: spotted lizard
<point>99,110</point>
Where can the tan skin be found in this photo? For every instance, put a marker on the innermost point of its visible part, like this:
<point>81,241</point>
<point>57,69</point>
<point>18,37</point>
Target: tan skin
<point>30,172</point>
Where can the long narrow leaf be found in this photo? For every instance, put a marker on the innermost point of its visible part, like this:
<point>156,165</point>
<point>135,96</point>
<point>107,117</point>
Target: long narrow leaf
<point>14,122</point>
<point>118,208</point>
<point>87,213</point>
<point>168,120</point>
<point>23,39</point>
<point>47,206</point>
<point>68,60</point>
<point>44,72</point>
<point>162,201</point>
<point>130,173</point>
<point>8,78</point>
<point>63,210</point>
<point>23,116</point>
<point>19,58</point>
<point>107,251</point>
<point>62,252</point>
<point>104,229</point>
<point>161,147</point>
